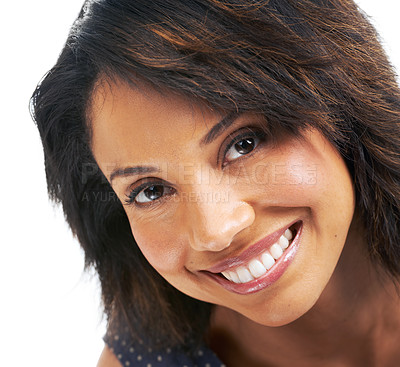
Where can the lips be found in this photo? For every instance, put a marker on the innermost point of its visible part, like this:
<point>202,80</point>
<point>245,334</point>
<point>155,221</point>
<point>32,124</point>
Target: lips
<point>261,264</point>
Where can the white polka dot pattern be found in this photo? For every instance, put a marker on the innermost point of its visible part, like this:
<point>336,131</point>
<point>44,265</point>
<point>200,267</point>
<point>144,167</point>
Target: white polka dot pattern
<point>141,355</point>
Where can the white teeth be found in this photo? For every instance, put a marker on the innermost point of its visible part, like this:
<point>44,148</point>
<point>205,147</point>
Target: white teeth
<point>234,276</point>
<point>276,251</point>
<point>227,275</point>
<point>283,242</point>
<point>257,268</point>
<point>288,234</point>
<point>267,260</point>
<point>244,275</point>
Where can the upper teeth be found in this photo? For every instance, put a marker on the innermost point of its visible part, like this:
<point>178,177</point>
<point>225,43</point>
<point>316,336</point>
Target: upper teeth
<point>258,266</point>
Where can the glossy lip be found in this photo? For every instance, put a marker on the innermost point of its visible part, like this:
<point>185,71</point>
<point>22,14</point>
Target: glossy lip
<point>271,276</point>
<point>253,251</point>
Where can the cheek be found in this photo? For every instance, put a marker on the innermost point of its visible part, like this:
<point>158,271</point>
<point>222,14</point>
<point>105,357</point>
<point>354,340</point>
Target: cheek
<point>294,180</point>
<point>322,183</point>
<point>308,176</point>
<point>161,247</point>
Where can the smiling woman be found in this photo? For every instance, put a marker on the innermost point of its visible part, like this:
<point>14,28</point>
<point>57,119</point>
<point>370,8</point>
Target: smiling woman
<point>239,238</point>
<point>251,182</point>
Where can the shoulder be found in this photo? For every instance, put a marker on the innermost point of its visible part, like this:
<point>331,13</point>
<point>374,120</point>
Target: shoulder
<point>108,359</point>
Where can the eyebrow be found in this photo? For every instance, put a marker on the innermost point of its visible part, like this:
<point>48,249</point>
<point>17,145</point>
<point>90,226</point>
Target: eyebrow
<point>130,171</point>
<point>218,128</point>
<point>214,132</point>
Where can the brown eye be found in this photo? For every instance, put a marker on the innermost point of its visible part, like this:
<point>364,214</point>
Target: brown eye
<point>245,146</point>
<point>152,193</point>
<point>148,193</point>
<point>241,147</point>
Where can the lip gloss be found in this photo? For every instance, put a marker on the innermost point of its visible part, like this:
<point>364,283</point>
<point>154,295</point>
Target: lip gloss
<point>270,277</point>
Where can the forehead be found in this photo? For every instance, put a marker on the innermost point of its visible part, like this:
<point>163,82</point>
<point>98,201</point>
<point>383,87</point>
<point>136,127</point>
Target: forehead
<point>134,123</point>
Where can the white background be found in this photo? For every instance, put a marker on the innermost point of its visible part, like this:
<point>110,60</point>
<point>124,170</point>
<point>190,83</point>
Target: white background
<point>49,309</point>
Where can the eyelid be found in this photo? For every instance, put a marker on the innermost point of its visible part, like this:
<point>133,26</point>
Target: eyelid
<point>237,136</point>
<point>131,193</point>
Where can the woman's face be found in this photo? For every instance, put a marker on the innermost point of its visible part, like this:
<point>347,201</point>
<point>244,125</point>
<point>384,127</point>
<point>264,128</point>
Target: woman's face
<point>208,193</point>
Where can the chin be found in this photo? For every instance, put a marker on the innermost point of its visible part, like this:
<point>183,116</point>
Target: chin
<point>282,313</point>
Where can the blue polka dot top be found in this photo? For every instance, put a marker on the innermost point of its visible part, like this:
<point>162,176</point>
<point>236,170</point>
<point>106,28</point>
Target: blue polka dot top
<point>130,354</point>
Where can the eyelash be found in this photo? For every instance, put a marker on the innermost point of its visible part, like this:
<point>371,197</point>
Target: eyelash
<point>250,132</point>
<point>137,190</point>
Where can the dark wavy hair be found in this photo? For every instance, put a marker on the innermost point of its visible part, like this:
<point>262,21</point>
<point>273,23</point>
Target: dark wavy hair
<point>308,63</point>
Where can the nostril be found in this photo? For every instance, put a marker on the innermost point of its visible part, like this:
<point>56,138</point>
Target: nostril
<point>213,245</point>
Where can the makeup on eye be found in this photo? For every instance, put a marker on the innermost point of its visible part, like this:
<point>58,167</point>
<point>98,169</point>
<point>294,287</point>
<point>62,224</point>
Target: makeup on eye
<point>244,142</point>
<point>228,121</point>
<point>157,190</point>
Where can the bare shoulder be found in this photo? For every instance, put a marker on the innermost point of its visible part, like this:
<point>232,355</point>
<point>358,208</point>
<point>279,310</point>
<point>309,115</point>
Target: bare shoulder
<point>108,359</point>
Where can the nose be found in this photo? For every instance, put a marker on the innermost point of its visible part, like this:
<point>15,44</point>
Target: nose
<point>214,223</point>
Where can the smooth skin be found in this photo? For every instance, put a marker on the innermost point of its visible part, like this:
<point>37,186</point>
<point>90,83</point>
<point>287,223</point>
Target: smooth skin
<point>201,203</point>
<point>108,359</point>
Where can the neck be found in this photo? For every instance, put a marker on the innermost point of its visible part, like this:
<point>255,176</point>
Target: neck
<point>356,321</point>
